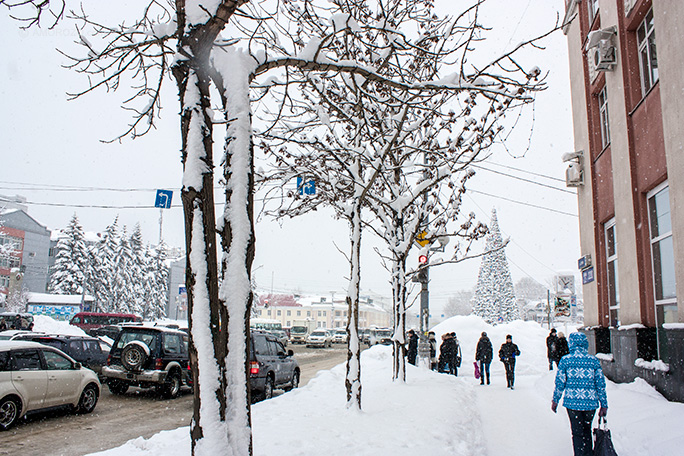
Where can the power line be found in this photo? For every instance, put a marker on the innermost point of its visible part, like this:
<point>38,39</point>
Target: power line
<point>525,180</point>
<point>522,202</point>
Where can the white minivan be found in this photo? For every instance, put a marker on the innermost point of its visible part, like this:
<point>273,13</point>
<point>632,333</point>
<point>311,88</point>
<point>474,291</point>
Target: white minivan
<point>35,376</point>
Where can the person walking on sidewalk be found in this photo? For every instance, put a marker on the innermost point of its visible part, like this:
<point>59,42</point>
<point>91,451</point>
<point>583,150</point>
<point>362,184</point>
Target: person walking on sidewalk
<point>432,343</point>
<point>483,355</point>
<point>580,378</point>
<point>507,354</point>
<point>552,348</point>
<point>562,347</point>
<point>412,347</point>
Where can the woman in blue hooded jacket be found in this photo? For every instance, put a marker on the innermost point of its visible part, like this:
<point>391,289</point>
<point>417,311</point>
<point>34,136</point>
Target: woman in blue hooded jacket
<point>580,378</point>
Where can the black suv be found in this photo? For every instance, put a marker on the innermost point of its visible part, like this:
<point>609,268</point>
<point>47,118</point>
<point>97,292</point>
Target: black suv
<point>270,366</point>
<point>148,357</point>
<point>85,349</point>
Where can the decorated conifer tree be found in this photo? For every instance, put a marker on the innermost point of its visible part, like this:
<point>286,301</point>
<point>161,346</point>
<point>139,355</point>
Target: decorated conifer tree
<point>494,298</point>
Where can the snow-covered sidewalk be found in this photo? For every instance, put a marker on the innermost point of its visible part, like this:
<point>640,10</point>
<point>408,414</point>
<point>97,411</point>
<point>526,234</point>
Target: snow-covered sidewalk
<point>437,414</point>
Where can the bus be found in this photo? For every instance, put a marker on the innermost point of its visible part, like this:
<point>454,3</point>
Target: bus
<point>88,321</point>
<point>265,324</point>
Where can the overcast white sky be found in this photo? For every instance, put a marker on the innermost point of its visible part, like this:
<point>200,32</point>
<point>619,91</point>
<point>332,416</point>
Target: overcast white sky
<point>52,155</point>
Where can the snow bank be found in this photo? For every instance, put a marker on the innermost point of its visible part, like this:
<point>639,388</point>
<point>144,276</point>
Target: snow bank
<point>48,325</point>
<point>437,414</point>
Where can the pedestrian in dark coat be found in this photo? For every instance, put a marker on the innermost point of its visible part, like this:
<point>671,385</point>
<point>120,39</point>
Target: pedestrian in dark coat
<point>446,353</point>
<point>432,343</point>
<point>507,354</point>
<point>562,346</point>
<point>455,362</point>
<point>412,347</point>
<point>483,354</point>
<point>580,378</point>
<point>552,348</point>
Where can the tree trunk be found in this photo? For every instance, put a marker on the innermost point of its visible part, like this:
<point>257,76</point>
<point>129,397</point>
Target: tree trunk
<point>399,298</point>
<point>238,245</point>
<point>353,379</point>
<point>207,342</point>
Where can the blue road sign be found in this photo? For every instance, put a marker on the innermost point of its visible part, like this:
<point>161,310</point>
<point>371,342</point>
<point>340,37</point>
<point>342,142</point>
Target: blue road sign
<point>588,275</point>
<point>163,199</point>
<point>306,188</point>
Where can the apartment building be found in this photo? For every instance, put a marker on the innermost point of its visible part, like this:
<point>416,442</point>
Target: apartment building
<point>627,85</point>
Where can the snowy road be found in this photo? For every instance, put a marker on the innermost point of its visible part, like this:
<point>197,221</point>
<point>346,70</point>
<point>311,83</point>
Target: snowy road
<point>117,419</point>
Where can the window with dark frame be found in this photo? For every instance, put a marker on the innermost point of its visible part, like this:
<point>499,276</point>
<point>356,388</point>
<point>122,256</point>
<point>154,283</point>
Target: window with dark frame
<point>648,58</point>
<point>612,274</point>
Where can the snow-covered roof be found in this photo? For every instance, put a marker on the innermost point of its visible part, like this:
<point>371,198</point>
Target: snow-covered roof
<point>47,298</point>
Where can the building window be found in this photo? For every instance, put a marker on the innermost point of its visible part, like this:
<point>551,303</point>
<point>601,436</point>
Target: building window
<point>662,251</point>
<point>612,274</point>
<point>268,312</point>
<point>289,313</point>
<point>648,59</point>
<point>603,113</point>
<point>319,313</point>
<point>299,313</point>
<point>593,6</point>
<point>308,313</point>
<point>288,324</point>
<point>279,313</point>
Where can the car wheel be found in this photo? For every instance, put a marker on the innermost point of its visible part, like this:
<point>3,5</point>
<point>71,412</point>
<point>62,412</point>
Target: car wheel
<point>88,399</point>
<point>133,356</point>
<point>268,388</point>
<point>117,387</point>
<point>294,383</point>
<point>172,386</point>
<point>9,412</point>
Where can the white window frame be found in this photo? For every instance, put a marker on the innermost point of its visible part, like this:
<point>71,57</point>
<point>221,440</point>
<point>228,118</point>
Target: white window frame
<point>604,117</point>
<point>668,301</point>
<point>612,260</point>
<point>644,48</point>
<point>593,9</point>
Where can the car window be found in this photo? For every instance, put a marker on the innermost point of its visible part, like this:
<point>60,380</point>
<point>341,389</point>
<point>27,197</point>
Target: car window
<point>4,361</point>
<point>146,338</point>
<point>276,347</point>
<point>75,348</point>
<point>172,343</point>
<point>104,346</point>
<point>186,341</point>
<point>261,346</point>
<point>55,361</point>
<point>91,346</point>
<point>26,360</point>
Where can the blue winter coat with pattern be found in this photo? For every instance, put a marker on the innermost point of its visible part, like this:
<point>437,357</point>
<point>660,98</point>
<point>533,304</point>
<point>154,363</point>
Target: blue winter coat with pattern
<point>580,377</point>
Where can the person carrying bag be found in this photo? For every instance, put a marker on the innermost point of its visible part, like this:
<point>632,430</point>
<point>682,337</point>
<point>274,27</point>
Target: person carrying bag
<point>580,379</point>
<point>603,445</point>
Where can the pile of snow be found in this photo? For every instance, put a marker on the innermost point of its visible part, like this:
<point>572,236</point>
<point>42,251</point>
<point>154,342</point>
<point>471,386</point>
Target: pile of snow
<point>438,414</point>
<point>48,325</point>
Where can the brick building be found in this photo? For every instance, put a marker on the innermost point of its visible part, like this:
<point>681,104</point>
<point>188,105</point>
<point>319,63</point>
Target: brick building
<point>627,85</point>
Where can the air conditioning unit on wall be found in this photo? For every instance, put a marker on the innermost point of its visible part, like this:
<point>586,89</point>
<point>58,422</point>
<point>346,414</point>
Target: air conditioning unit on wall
<point>601,49</point>
<point>605,56</point>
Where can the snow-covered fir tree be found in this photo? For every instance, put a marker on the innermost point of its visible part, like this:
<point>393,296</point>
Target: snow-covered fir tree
<point>494,298</point>
<point>156,283</point>
<point>71,261</point>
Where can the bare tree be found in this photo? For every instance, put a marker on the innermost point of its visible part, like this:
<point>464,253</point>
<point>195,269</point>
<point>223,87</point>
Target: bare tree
<point>197,43</point>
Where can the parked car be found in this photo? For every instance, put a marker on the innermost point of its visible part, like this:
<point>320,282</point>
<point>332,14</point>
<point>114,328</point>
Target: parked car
<point>319,338</point>
<point>35,376</point>
<point>147,357</point>
<point>270,366</point>
<point>281,335</point>
<point>88,321</point>
<point>12,334</point>
<point>381,336</point>
<point>340,336</point>
<point>86,350</point>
